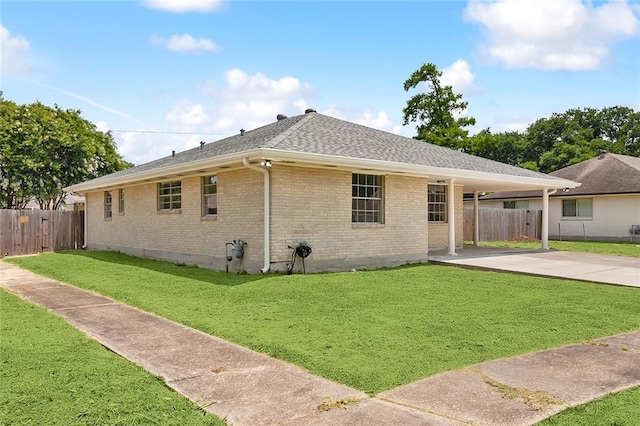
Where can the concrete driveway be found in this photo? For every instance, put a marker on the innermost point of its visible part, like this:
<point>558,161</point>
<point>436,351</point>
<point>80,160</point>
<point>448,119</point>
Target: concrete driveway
<point>590,267</point>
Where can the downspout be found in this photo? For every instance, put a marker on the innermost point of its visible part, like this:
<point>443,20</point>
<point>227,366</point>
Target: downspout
<point>545,217</point>
<point>86,221</point>
<point>267,214</point>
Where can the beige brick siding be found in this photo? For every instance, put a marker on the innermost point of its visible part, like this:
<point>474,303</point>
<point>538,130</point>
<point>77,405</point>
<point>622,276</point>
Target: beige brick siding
<point>314,205</point>
<point>307,204</point>
<point>439,232</point>
<point>184,236</point>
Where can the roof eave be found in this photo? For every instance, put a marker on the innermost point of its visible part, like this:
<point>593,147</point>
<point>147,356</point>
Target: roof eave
<point>325,160</point>
<point>183,168</point>
<point>414,169</point>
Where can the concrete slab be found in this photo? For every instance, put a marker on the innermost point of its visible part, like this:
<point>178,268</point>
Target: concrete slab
<point>263,395</point>
<point>467,398</point>
<point>62,297</point>
<point>373,412</point>
<point>575,373</point>
<point>590,267</point>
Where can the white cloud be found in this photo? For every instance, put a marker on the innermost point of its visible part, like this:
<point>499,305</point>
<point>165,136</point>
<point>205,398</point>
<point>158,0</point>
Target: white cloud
<point>185,43</point>
<point>102,126</point>
<point>187,113</point>
<point>184,6</point>
<point>240,100</point>
<point>459,76</point>
<point>376,119</point>
<point>14,54</point>
<point>510,124</point>
<point>559,34</point>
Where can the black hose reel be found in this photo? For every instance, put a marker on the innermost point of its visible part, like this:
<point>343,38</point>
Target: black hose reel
<point>302,251</point>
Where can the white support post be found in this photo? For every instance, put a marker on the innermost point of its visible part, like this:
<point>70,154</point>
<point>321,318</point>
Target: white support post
<point>476,220</point>
<point>451,217</point>
<point>545,219</point>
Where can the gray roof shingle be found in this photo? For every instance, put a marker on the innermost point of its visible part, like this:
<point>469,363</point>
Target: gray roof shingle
<point>320,134</point>
<point>606,174</point>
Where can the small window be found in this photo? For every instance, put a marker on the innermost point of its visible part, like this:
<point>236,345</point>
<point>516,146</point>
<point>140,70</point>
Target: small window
<point>170,195</point>
<point>522,204</point>
<point>580,207</point>
<point>121,201</point>
<point>108,205</point>
<point>366,198</point>
<point>210,195</point>
<point>437,203</point>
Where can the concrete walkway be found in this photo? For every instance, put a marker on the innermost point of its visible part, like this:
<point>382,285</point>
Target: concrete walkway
<point>590,267</point>
<point>248,388</point>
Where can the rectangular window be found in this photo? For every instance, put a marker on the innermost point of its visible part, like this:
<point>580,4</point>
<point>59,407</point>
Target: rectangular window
<point>580,207</point>
<point>210,195</point>
<point>437,203</point>
<point>522,204</point>
<point>366,198</point>
<point>108,205</point>
<point>170,195</point>
<point>121,201</point>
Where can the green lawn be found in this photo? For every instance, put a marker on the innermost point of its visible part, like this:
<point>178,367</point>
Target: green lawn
<point>619,409</point>
<point>52,374</point>
<point>370,330</point>
<point>617,249</point>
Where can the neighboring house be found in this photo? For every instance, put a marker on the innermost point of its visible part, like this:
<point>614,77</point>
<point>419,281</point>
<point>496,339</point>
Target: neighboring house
<point>71,202</point>
<point>359,197</point>
<point>604,207</point>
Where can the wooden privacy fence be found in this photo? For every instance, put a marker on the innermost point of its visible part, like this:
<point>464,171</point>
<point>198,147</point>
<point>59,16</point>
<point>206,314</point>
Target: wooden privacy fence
<point>35,231</point>
<point>503,224</point>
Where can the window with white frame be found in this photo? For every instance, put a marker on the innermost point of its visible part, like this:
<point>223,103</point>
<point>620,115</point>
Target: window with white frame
<point>577,207</point>
<point>210,195</point>
<point>121,201</point>
<point>108,205</point>
<point>437,203</point>
<point>367,198</point>
<point>521,204</point>
<point>170,195</point>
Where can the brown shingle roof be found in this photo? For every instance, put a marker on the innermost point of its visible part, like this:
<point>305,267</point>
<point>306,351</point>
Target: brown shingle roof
<point>606,174</point>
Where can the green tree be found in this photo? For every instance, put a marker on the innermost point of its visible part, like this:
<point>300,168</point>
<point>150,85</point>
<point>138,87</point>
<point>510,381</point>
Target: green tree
<point>503,147</point>
<point>579,134</point>
<point>435,109</point>
<point>44,149</point>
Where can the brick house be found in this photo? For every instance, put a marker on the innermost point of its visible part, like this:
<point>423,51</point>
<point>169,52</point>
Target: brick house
<point>359,197</point>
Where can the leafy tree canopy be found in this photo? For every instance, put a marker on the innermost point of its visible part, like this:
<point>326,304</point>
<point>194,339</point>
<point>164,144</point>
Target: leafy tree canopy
<point>563,139</point>
<point>435,110</point>
<point>44,149</point>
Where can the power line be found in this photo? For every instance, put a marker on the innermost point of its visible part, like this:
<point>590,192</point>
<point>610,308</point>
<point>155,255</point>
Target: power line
<point>164,133</point>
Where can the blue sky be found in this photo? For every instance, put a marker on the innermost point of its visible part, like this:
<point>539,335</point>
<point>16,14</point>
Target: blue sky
<point>211,67</point>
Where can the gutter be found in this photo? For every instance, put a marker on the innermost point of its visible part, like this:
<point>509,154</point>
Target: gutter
<point>267,213</point>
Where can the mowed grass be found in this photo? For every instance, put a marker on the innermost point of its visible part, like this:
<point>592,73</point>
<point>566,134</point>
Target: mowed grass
<point>52,374</point>
<point>617,249</point>
<point>371,330</point>
<point>619,409</point>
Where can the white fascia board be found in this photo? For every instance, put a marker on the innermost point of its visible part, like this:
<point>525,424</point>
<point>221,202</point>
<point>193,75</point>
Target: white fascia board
<point>417,170</point>
<point>189,167</point>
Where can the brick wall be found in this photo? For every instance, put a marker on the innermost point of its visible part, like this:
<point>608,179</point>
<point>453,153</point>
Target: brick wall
<point>184,236</point>
<point>307,204</point>
<point>314,205</point>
